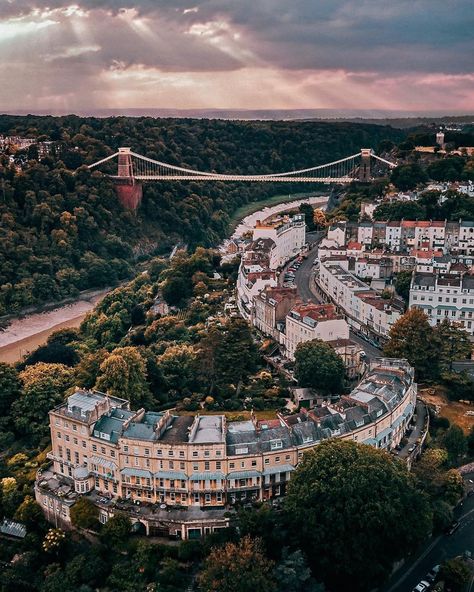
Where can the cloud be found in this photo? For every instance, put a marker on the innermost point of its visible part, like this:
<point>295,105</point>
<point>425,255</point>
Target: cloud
<point>245,53</point>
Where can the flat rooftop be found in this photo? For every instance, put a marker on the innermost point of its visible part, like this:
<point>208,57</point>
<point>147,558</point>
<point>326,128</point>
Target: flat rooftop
<point>209,429</point>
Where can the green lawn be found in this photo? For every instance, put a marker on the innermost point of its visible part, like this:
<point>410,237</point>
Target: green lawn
<point>272,200</point>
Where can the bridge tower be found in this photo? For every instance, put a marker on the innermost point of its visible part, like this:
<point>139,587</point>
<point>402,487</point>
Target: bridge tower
<point>364,170</point>
<point>129,192</point>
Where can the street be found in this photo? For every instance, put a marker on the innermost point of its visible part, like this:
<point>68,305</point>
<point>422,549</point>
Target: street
<point>304,282</point>
<point>437,550</point>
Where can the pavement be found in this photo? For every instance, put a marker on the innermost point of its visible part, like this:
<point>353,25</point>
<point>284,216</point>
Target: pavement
<point>440,548</point>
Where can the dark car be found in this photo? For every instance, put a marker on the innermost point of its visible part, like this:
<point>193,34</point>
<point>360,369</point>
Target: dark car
<point>452,527</point>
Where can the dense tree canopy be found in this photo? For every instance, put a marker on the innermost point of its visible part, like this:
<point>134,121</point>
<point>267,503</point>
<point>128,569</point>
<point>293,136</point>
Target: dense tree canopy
<point>62,232</point>
<point>319,366</point>
<point>346,507</point>
<point>413,338</point>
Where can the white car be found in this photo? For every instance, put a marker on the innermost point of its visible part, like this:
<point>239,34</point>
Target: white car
<point>422,586</point>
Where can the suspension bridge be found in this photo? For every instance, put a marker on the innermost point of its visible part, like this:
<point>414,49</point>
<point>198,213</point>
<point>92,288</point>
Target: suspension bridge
<point>133,169</point>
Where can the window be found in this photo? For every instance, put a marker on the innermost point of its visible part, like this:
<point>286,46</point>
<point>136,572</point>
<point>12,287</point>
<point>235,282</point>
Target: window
<point>66,437</point>
<point>218,453</point>
<point>125,448</point>
<point>83,443</point>
<point>219,496</point>
<point>182,465</point>
<point>195,453</point>
<point>254,463</point>
<point>102,449</point>
<point>218,464</point>
<point>159,452</point>
<point>208,498</point>
<point>276,444</point>
<point>195,467</point>
<point>207,465</point>
<point>267,461</point>
<point>231,465</point>
<point>206,453</point>
<point>181,454</point>
<point>147,451</point>
<point>170,453</point>
<point>112,453</point>
<point>136,451</point>
<point>74,427</point>
<point>171,463</point>
<point>75,441</point>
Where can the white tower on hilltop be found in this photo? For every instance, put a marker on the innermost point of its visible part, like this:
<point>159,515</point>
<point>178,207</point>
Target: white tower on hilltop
<point>440,139</point>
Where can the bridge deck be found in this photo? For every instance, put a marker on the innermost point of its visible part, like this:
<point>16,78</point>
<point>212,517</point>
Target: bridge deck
<point>238,178</point>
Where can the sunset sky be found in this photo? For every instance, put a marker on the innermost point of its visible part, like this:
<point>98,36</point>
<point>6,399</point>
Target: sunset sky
<point>237,54</point>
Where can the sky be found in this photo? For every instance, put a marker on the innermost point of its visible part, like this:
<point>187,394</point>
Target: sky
<point>415,55</point>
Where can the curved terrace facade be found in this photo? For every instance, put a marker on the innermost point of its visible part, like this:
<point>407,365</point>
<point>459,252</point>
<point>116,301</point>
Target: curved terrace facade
<point>180,475</point>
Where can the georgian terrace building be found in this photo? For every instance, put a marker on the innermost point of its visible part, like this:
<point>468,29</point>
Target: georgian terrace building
<point>180,475</point>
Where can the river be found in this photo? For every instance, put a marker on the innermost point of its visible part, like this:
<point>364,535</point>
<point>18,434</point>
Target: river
<point>25,334</point>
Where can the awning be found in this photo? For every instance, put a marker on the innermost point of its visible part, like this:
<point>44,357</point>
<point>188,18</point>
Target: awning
<point>243,474</point>
<point>103,462</point>
<point>207,476</point>
<point>384,433</point>
<point>370,442</point>
<point>278,469</point>
<point>131,472</point>
<point>171,475</point>
<point>398,422</point>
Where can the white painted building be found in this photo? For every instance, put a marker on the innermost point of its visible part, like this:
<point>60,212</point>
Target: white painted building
<point>364,308</point>
<point>289,237</point>
<point>313,321</point>
<point>444,296</point>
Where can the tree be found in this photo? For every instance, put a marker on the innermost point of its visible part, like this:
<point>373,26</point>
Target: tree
<point>455,573</point>
<point>236,356</point>
<point>293,573</point>
<point>44,387</point>
<point>318,366</point>
<point>116,531</point>
<point>29,512</point>
<point>402,284</point>
<point>413,338</point>
<point>455,442</point>
<point>319,218</point>
<point>176,290</point>
<point>178,366</point>
<point>408,176</point>
<point>54,352</point>
<point>9,387</point>
<point>123,374</point>
<point>237,567</point>
<point>454,344</point>
<point>346,507</point>
<point>85,514</point>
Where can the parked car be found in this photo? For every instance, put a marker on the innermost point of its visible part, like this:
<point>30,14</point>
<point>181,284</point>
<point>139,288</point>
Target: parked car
<point>433,573</point>
<point>422,586</point>
<point>452,527</point>
<point>412,448</point>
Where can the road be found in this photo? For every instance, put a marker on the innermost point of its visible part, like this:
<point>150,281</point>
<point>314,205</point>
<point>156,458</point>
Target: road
<point>437,550</point>
<point>307,290</point>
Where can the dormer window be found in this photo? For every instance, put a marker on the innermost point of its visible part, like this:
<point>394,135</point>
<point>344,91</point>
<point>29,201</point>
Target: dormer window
<point>276,444</point>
